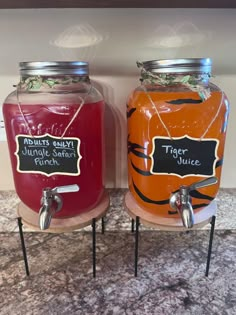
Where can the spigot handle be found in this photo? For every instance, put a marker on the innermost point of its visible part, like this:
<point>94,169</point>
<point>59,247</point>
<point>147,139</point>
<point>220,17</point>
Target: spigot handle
<point>65,189</point>
<point>203,183</point>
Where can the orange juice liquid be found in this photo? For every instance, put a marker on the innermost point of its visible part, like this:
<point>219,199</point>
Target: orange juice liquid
<point>192,118</point>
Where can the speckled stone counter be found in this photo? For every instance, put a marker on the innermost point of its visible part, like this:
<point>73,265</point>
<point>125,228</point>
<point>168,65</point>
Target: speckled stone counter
<point>170,281</point>
<point>170,275</point>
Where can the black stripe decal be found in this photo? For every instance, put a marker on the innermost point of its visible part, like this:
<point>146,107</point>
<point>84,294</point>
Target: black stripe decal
<point>146,199</point>
<point>219,163</point>
<point>139,154</point>
<point>135,145</point>
<point>198,195</point>
<point>172,212</point>
<point>181,101</point>
<point>130,112</point>
<point>144,173</point>
<point>201,205</point>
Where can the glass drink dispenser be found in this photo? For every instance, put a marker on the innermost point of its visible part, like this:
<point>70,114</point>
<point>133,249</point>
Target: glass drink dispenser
<point>177,124</point>
<point>54,126</point>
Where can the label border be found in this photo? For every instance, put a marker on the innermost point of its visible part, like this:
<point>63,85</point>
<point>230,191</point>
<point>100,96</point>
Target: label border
<point>177,138</point>
<point>43,136</point>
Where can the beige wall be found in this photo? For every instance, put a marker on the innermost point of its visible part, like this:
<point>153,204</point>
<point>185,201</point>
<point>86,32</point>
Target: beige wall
<point>6,180</point>
<point>112,40</point>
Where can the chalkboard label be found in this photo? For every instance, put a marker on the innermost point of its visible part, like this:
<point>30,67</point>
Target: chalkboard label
<point>48,155</point>
<point>184,156</point>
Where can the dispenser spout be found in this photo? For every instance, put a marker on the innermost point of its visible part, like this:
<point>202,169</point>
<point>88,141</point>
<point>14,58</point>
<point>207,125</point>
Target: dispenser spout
<point>181,200</point>
<point>51,203</point>
<point>183,203</point>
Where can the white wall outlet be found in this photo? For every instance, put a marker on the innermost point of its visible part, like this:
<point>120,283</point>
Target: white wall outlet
<point>3,136</point>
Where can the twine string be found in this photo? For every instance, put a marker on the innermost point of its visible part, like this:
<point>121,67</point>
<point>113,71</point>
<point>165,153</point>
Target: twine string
<point>20,109</point>
<point>164,125</point>
<point>82,99</point>
<point>214,118</point>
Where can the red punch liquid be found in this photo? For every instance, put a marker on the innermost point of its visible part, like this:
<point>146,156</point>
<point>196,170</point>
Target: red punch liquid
<point>53,119</point>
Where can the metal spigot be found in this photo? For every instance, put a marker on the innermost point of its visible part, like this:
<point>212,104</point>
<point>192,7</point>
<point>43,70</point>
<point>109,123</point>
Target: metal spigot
<point>181,200</point>
<point>52,202</point>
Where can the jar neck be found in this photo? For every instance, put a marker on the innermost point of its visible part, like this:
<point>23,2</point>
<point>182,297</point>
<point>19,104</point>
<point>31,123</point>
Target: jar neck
<point>196,82</point>
<point>172,79</point>
<point>45,83</point>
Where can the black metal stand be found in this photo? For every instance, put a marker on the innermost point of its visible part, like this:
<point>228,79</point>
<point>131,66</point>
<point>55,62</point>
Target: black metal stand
<point>103,225</point>
<point>132,225</point>
<point>213,220</point>
<point>23,246</point>
<point>137,244</point>
<point>137,223</point>
<point>94,246</point>
<point>20,224</point>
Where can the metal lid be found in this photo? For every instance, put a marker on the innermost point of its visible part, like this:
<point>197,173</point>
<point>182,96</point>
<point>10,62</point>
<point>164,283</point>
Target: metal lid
<point>178,65</point>
<point>54,68</point>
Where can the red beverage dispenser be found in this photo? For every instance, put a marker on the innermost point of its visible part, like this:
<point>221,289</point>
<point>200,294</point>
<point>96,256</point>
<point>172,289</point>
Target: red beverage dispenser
<point>54,126</point>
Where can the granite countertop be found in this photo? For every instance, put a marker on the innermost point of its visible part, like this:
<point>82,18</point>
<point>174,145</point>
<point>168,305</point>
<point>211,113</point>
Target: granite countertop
<point>171,267</point>
<point>170,276</point>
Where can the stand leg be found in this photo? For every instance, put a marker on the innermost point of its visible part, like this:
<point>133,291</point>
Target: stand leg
<point>210,245</point>
<point>132,225</point>
<point>103,225</point>
<point>94,247</point>
<point>23,246</point>
<point>136,247</point>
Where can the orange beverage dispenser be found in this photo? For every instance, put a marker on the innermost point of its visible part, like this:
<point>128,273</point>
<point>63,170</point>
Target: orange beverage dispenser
<point>54,125</point>
<point>177,122</point>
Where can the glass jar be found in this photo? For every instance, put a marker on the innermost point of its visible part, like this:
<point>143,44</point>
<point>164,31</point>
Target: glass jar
<point>177,124</point>
<point>54,125</point>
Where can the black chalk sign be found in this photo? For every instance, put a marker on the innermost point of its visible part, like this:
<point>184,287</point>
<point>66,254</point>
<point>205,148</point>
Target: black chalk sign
<point>48,155</point>
<point>184,156</point>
